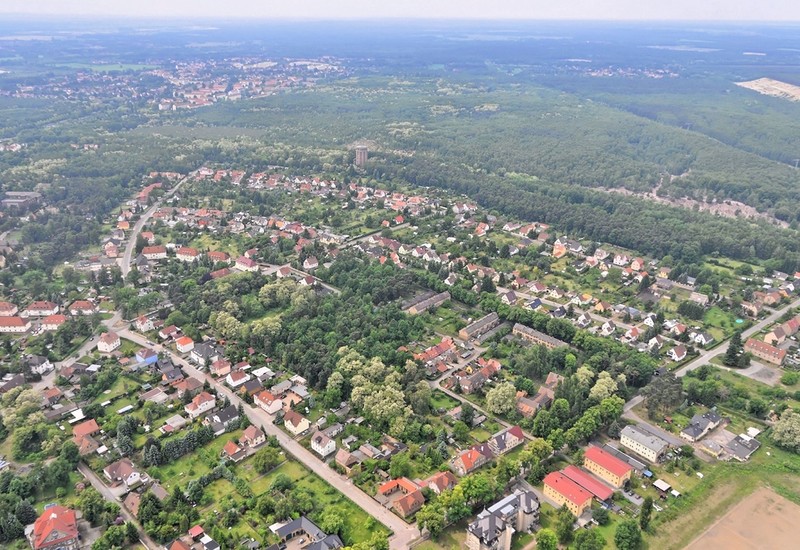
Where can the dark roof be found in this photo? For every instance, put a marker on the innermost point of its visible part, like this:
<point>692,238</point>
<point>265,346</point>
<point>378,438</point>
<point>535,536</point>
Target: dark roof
<point>227,414</point>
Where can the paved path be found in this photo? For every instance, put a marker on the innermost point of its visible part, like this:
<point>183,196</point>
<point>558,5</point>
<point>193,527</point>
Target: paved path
<point>104,490</point>
<point>404,534</point>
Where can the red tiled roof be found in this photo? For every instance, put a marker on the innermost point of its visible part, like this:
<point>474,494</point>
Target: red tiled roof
<point>55,519</point>
<point>12,322</point>
<point>85,428</point>
<point>607,461</point>
<point>567,488</point>
<point>588,482</point>
<point>403,483</point>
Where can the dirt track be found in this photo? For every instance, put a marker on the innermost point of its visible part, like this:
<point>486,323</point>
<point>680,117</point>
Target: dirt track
<point>762,520</point>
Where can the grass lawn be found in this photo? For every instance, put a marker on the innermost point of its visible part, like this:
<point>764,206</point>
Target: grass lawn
<point>441,400</point>
<point>480,435</point>
<point>453,538</point>
<point>194,464</point>
<point>128,348</point>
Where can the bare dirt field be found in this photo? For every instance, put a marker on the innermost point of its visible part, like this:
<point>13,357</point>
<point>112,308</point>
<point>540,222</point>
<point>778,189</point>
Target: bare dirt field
<point>772,87</point>
<point>762,520</point>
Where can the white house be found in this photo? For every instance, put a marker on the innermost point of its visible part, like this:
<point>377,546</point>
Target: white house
<point>268,402</point>
<point>144,324</point>
<point>295,422</point>
<point>123,471</point>
<point>678,353</point>
<point>109,341</point>
<point>237,378</point>
<point>184,344</point>
<point>14,325</point>
<point>322,444</point>
<point>200,404</point>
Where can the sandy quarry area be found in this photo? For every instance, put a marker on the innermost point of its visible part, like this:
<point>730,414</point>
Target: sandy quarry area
<point>775,88</point>
<point>763,520</point>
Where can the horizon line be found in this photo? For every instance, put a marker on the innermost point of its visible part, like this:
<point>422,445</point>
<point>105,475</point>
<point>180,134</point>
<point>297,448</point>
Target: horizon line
<point>263,19</point>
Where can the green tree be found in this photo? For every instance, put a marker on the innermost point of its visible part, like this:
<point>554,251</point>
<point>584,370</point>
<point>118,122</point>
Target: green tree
<point>735,349</point>
<point>589,539</point>
<point>646,513</point>
<point>564,525</point>
<point>501,398</point>
<point>628,536</point>
<point>546,540</point>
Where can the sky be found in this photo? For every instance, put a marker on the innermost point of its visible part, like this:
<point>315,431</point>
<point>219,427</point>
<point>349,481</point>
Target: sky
<point>657,10</point>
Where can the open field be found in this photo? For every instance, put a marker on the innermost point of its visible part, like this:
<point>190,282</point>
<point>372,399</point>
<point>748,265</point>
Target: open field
<point>772,87</point>
<point>762,520</point>
<point>724,486</point>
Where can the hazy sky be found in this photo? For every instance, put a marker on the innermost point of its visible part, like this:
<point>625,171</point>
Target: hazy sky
<point>737,10</point>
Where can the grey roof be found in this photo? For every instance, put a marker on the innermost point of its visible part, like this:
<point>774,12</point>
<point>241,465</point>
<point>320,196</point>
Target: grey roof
<point>300,524</point>
<point>487,528</point>
<point>645,438</point>
<point>478,325</point>
<point>742,447</point>
<point>227,414</point>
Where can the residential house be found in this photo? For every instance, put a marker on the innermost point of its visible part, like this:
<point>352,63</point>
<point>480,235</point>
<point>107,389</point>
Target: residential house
<point>220,368</point>
<point>322,444</point>
<point>246,264</point>
<point>420,306</point>
<point>588,482</point>
<point>608,328</point>
<point>189,385</point>
<point>742,447</point>
<point>441,481</point>
<point>200,404</point>
<point>678,353</point>
<point>347,460</point>
<point>566,492</point>
<point>252,437</point>
<point>536,337</point>
<point>702,339</point>
<point>108,342</point>
<point>7,309</point>
<point>184,344</point>
<point>169,332</point>
<point>204,353</point>
<point>56,529</point>
<point>39,364</point>
<point>155,252</point>
<point>146,356</point>
<point>700,426</point>
<point>82,307</point>
<point>53,322</point>
<point>268,402</point>
<point>221,419</point>
<point>310,263</point>
<point>506,440</point>
<point>295,423</point>
<point>14,325</point>
<point>187,254</point>
<point>231,451</point>
<point>470,460</point>
<point>237,378</point>
<point>479,327</point>
<point>509,298</point>
<point>40,309</point>
<point>528,407</point>
<point>305,530</point>
<point>412,499</point>
<point>123,471</point>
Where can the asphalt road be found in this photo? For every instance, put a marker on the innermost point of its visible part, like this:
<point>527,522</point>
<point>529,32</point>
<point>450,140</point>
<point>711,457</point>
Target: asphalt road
<point>101,487</point>
<point>404,534</point>
<point>127,256</point>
